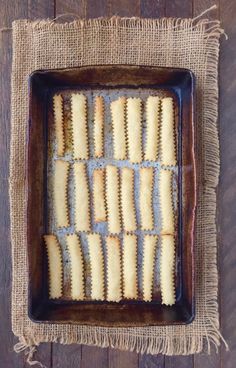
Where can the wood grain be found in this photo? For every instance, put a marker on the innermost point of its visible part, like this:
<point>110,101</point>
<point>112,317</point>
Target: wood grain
<point>151,361</point>
<point>178,8</point>
<point>94,357</point>
<point>152,9</point>
<point>66,356</point>
<point>124,8</point>
<point>122,359</point>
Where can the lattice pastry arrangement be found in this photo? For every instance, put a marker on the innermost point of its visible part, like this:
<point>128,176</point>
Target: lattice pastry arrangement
<point>112,197</point>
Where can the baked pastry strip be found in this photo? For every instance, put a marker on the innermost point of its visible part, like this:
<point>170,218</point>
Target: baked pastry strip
<point>60,189</point>
<point>149,249</point>
<point>98,132</point>
<point>153,126</point>
<point>76,267</point>
<point>146,197</point>
<point>119,128</point>
<point>79,126</point>
<point>168,139</point>
<point>82,200</point>
<point>59,124</point>
<point>130,277</point>
<point>113,199</point>
<point>114,280</point>
<point>127,199</point>
<point>134,129</point>
<point>99,203</point>
<point>167,269</point>
<point>55,266</point>
<point>166,202</point>
<point>97,266</point>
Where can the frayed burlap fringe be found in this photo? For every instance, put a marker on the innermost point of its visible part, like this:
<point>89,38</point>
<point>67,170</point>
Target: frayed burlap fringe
<point>186,43</point>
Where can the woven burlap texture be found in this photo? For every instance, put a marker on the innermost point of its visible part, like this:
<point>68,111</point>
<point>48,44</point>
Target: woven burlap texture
<point>183,43</point>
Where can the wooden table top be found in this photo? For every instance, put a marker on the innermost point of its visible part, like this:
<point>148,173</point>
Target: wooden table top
<point>71,356</point>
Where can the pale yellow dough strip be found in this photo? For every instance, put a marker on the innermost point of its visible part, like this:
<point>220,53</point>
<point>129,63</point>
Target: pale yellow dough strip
<point>168,141</point>
<point>145,197</point>
<point>114,292</point>
<point>127,199</point>
<point>167,269</point>
<point>77,267</point>
<point>119,128</point>
<point>99,204</point>
<point>59,124</point>
<point>153,126</point>
<point>98,132</point>
<point>149,249</point>
<point>82,206</point>
<point>112,198</point>
<point>79,126</point>
<point>60,188</point>
<point>134,129</point>
<point>97,266</point>
<point>130,277</point>
<point>166,202</point>
<point>55,268</point>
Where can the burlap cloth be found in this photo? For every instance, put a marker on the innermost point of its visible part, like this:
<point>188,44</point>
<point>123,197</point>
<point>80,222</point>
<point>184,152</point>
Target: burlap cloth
<point>183,43</point>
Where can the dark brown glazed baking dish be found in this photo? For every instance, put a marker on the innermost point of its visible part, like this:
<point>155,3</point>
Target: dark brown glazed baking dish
<point>180,84</point>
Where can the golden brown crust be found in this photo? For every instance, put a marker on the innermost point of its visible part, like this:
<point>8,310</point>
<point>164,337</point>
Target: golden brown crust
<point>149,249</point>
<point>55,266</point>
<point>97,266</point>
<point>114,291</point>
<point>146,198</point>
<point>167,269</point>
<point>60,189</point>
<point>82,198</point>
<point>127,199</point>
<point>166,202</point>
<point>98,132</point>
<point>76,267</point>
<point>153,123</point>
<point>119,128</point>
<point>134,129</point>
<point>130,276</point>
<point>113,199</point>
<point>168,139</point>
<point>79,126</point>
<point>99,203</point>
<point>59,124</point>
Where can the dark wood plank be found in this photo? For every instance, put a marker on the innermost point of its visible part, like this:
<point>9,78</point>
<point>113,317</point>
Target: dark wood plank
<point>95,357</point>
<point>10,10</point>
<point>152,9</point>
<point>200,6</point>
<point>124,8</point>
<point>178,8</point>
<point>66,355</point>
<point>72,7</point>
<point>179,361</point>
<point>122,359</point>
<point>227,189</point>
<point>207,360</point>
<point>151,361</point>
<point>40,9</point>
<point>95,9</point>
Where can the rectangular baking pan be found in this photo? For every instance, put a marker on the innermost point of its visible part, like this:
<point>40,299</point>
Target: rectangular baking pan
<point>42,84</point>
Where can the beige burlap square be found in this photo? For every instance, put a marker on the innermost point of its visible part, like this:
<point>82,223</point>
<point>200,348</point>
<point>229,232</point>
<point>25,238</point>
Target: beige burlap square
<point>182,43</point>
